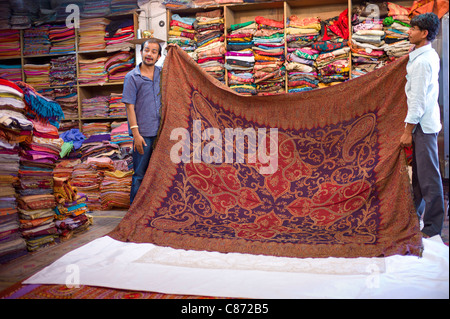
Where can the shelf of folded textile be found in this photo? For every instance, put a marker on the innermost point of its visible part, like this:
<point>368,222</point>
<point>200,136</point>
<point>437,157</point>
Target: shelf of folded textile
<point>239,57</point>
<point>182,32</point>
<point>11,69</point>
<point>10,43</point>
<point>378,41</point>
<point>71,211</point>
<point>268,49</point>
<point>301,34</point>
<point>210,41</point>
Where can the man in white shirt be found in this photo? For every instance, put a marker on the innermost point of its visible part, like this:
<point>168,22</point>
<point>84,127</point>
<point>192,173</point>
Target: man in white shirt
<point>423,122</point>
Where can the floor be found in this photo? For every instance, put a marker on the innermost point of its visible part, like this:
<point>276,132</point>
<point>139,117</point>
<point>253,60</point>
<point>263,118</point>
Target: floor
<point>23,267</point>
<point>104,221</point>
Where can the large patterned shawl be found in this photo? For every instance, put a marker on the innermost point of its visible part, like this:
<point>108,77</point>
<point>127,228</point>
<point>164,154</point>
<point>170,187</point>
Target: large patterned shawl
<point>335,184</point>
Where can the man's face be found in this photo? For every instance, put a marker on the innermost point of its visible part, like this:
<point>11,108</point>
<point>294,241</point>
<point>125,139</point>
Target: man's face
<point>150,54</point>
<point>416,35</point>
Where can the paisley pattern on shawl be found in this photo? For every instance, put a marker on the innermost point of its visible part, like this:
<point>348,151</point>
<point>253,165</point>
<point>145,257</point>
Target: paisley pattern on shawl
<point>338,187</point>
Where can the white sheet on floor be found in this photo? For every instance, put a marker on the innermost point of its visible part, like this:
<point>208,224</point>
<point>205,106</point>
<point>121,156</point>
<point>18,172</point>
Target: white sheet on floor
<point>106,262</point>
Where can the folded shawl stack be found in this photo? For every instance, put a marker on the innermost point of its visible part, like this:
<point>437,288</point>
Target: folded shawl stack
<point>301,34</point>
<point>268,47</point>
<point>92,34</point>
<point>239,57</point>
<point>182,33</point>
<point>95,107</point>
<point>376,41</point>
<point>62,39</point>
<point>118,33</point>
<point>118,65</point>
<point>11,72</point>
<point>12,122</point>
<point>71,209</point>
<point>63,71</point>
<point>115,189</point>
<point>36,40</point>
<point>210,41</point>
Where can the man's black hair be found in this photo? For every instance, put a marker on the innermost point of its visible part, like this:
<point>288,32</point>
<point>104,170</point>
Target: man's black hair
<point>427,21</point>
<point>151,41</point>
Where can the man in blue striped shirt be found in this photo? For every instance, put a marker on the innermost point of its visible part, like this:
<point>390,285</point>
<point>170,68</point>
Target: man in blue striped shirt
<point>423,122</point>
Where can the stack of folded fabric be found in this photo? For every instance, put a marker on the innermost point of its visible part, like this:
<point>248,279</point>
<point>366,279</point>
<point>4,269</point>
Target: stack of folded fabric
<point>368,40</point>
<point>182,32</point>
<point>37,74</point>
<point>115,189</point>
<point>67,98</point>
<point>120,135</point>
<point>63,71</point>
<point>11,72</point>
<point>95,9</point>
<point>122,6</point>
<point>332,64</point>
<point>64,168</point>
<point>96,128</point>
<point>180,4</point>
<point>118,33</point>
<point>35,189</point>
<point>60,7</point>
<point>268,47</point>
<point>36,40</point>
<point>9,43</point>
<point>116,107</point>
<point>118,65</point>
<point>92,71</point>
<point>68,125</point>
<point>15,126</point>
<point>210,38</point>
<point>396,26</point>
<point>123,161</point>
<point>38,159</point>
<point>95,107</point>
<point>62,39</point>
<point>5,14</point>
<point>99,149</point>
<point>92,34</point>
<point>87,180</point>
<point>12,245</point>
<point>301,34</point>
<point>71,209</point>
<point>40,107</point>
<point>37,223</point>
<point>240,58</point>
<point>73,139</point>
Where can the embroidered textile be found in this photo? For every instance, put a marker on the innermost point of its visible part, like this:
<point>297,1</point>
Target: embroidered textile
<point>339,187</point>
